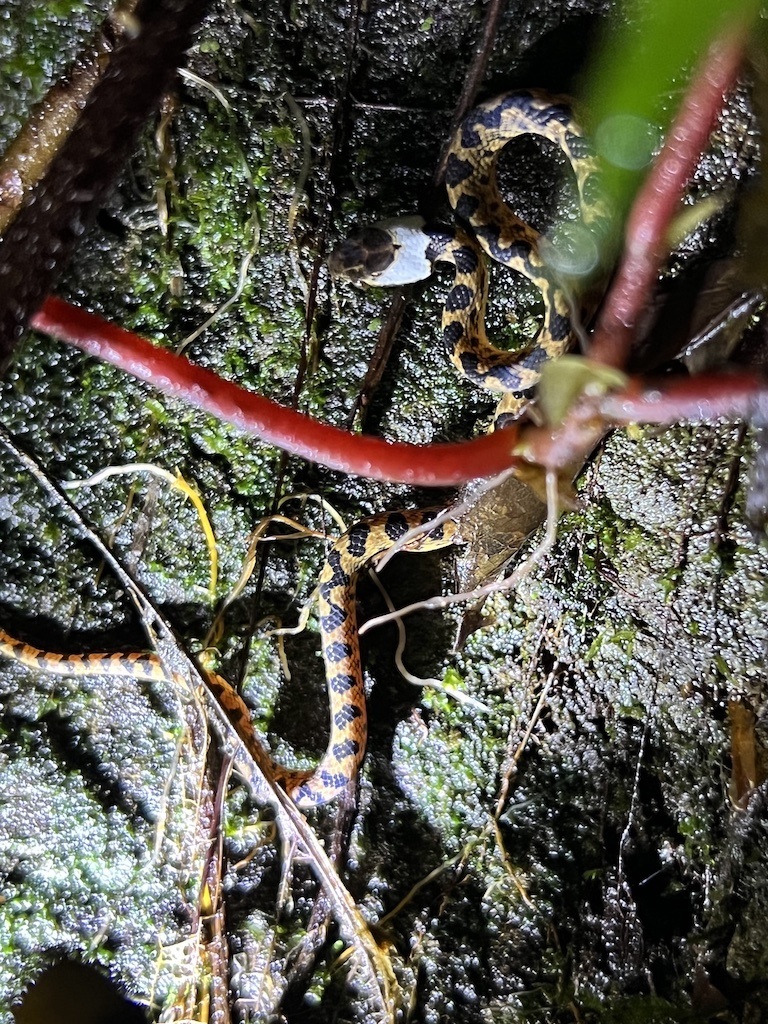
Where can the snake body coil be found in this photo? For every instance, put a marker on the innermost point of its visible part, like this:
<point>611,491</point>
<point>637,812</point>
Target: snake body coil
<point>339,765</point>
<point>394,254</point>
<point>403,251</point>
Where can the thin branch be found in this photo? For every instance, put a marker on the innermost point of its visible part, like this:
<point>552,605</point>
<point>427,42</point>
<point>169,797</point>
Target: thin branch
<point>646,244</point>
<point>472,79</point>
<point>497,586</point>
<point>45,232</point>
<point>702,399</point>
<point>254,762</point>
<point>382,351</point>
<point>401,296</point>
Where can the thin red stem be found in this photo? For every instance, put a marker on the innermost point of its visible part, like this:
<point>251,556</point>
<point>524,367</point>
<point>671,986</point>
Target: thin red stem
<point>702,399</point>
<point>437,465</point>
<point>646,244</point>
<point>450,464</point>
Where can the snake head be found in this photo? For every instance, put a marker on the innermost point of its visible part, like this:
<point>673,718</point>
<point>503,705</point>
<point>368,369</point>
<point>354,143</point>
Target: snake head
<point>385,254</point>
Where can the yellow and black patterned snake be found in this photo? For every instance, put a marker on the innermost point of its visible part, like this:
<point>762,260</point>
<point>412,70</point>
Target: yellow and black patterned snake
<point>393,254</point>
<point>340,647</point>
<point>404,251</point>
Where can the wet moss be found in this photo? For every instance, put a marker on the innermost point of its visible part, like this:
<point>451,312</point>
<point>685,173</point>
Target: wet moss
<point>634,634</point>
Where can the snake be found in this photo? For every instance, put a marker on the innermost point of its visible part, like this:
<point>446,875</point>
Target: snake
<point>392,253</point>
<point>336,588</point>
<point>405,250</point>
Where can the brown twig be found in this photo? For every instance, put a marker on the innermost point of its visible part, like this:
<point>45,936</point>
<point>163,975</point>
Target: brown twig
<point>47,229</point>
<point>398,303</point>
<point>472,79</point>
<point>382,351</point>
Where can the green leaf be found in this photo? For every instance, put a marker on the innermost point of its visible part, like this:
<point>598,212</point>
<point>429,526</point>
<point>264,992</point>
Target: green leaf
<point>566,379</point>
<point>645,59</point>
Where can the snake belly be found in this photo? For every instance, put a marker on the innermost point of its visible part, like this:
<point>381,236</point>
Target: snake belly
<point>338,767</point>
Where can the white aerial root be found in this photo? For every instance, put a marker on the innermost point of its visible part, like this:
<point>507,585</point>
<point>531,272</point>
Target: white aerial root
<point>436,684</point>
<point>497,586</point>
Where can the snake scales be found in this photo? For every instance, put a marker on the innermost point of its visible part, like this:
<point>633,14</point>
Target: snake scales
<point>394,254</point>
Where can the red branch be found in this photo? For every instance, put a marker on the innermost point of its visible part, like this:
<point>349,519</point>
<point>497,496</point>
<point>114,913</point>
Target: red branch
<point>657,201</point>
<point>438,465</point>
<point>699,398</point>
<point>702,399</point>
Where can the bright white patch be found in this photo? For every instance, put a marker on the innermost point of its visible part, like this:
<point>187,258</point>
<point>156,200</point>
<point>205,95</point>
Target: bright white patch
<point>410,262</point>
<point>571,250</point>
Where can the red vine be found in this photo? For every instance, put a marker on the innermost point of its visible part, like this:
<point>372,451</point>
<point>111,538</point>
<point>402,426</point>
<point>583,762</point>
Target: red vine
<point>646,242</point>
<point>436,465</point>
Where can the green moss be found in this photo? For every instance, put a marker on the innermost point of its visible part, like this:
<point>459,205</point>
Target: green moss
<point>589,669</point>
<point>38,42</point>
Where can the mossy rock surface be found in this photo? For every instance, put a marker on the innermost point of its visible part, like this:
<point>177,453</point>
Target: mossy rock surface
<point>589,862</point>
